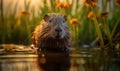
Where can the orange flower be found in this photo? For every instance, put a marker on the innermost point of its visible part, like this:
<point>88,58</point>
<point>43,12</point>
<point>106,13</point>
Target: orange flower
<point>117,2</point>
<point>94,4</point>
<point>74,21</point>
<point>86,1</point>
<point>66,5</point>
<point>90,14</point>
<point>63,5</point>
<point>24,13</point>
<point>59,5</point>
<point>90,2</point>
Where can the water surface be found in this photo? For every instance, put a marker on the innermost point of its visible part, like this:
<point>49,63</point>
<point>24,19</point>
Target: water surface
<point>77,60</point>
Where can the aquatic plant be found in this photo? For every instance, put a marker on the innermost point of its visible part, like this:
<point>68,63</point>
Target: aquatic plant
<point>89,21</point>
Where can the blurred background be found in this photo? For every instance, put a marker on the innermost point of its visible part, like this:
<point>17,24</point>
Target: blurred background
<point>92,22</point>
<point>94,25</point>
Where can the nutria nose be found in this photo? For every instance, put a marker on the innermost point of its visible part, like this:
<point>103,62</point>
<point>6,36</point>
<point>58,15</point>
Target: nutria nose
<point>58,30</point>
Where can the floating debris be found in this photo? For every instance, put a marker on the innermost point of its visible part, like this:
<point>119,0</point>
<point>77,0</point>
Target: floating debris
<point>5,48</point>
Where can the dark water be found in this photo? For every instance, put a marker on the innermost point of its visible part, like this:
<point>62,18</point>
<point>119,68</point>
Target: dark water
<point>50,61</point>
<point>30,62</point>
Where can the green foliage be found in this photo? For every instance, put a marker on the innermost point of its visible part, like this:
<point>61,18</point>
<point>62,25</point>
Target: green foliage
<point>18,29</point>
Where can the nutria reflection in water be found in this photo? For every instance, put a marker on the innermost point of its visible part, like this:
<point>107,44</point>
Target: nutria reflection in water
<point>53,61</point>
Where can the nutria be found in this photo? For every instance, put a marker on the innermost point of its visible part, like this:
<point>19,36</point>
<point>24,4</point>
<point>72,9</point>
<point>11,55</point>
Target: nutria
<point>52,34</point>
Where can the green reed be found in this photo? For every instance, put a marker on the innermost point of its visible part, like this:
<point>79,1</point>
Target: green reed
<point>18,28</point>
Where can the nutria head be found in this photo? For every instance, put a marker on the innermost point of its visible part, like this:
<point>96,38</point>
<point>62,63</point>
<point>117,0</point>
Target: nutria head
<point>52,32</point>
<point>55,26</point>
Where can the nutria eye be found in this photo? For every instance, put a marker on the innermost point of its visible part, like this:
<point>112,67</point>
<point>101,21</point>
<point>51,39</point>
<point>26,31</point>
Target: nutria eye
<point>50,20</point>
<point>63,21</point>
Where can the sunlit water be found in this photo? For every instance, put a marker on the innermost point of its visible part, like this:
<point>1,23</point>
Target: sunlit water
<point>81,60</point>
<point>18,64</point>
<point>29,62</point>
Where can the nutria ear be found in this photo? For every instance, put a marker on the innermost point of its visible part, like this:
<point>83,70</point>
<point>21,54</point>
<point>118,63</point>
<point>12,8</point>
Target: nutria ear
<point>65,17</point>
<point>46,17</point>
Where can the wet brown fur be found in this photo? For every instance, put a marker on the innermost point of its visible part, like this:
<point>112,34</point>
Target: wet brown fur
<point>43,40</point>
